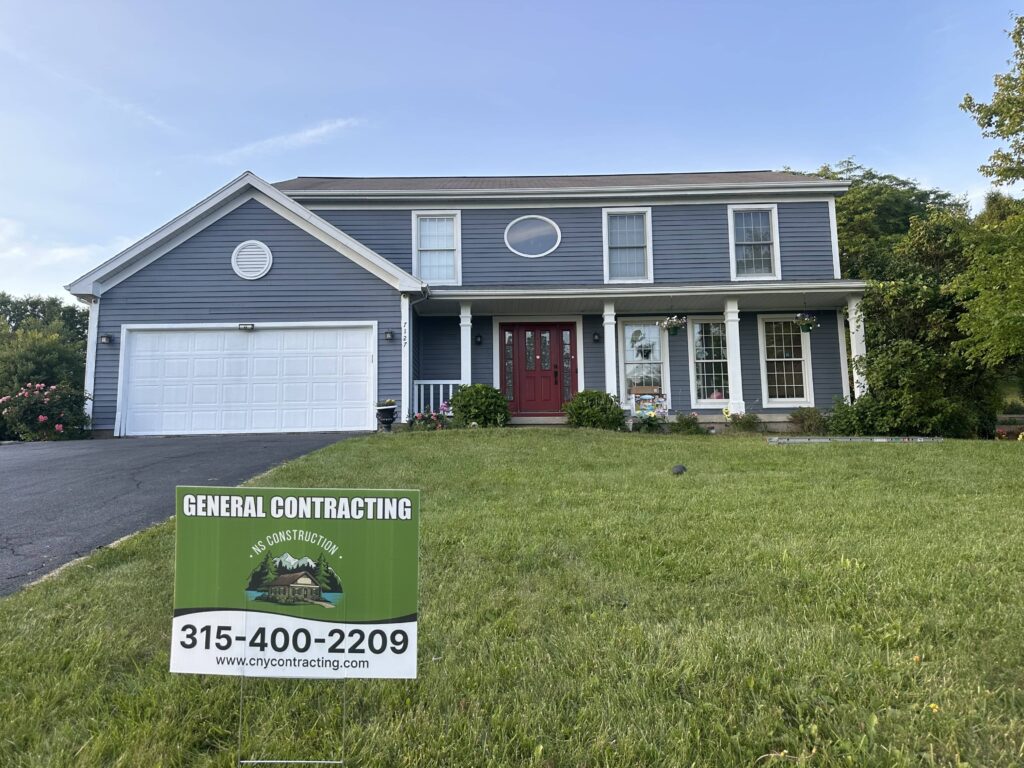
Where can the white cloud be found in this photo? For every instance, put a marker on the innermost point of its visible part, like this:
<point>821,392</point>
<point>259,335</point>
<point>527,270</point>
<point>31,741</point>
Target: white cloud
<point>314,134</point>
<point>29,265</point>
<point>102,94</point>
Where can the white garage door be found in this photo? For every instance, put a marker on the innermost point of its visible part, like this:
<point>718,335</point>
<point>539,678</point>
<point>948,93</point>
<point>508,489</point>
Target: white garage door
<point>191,381</point>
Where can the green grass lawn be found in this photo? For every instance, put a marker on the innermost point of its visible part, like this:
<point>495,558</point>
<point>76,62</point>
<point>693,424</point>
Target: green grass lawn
<point>581,606</point>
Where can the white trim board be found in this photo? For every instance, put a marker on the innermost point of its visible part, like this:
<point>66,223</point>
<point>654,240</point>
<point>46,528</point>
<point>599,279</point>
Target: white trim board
<point>246,187</point>
<point>127,329</point>
<point>92,339</point>
<point>834,232</point>
<point>496,322</point>
<point>773,287</point>
<point>601,202</point>
<point>805,341</point>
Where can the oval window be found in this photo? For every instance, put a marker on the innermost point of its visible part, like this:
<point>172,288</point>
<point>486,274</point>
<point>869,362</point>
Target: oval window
<point>532,236</point>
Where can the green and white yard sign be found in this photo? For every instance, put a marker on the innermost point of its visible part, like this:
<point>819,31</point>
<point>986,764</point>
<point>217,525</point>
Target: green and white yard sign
<point>284,582</point>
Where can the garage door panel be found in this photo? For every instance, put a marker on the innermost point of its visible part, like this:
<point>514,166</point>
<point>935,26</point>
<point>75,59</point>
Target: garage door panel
<point>211,341</point>
<point>212,381</point>
<point>236,367</point>
<point>354,365</point>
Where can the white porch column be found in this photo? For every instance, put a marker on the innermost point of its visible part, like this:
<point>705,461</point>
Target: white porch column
<point>611,371</point>
<point>732,350</point>
<point>858,348</point>
<point>407,404</point>
<point>466,342</point>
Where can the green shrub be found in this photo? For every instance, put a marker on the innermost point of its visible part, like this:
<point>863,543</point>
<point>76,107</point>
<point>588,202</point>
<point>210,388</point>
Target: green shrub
<point>1013,406</point>
<point>648,422</point>
<point>845,420</point>
<point>687,425</point>
<point>33,354</point>
<point>40,412</point>
<point>745,422</point>
<point>809,421</point>
<point>594,409</point>
<point>481,405</point>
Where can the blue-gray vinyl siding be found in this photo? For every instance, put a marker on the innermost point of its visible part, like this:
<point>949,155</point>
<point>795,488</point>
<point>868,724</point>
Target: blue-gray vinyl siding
<point>593,354</point>
<point>482,356</point>
<point>691,243</point>
<point>438,348</point>
<point>388,232</point>
<point>194,283</point>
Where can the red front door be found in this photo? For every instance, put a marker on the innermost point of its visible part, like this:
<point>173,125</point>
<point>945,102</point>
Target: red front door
<point>538,371</point>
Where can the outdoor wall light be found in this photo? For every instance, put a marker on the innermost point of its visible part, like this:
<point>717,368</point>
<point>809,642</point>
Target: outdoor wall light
<point>389,335</point>
<point>597,337</point>
<point>106,338</point>
<point>246,327</point>
<point>478,339</point>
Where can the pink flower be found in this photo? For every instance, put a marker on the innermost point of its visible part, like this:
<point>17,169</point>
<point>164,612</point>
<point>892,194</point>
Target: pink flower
<point>53,386</point>
<point>43,419</point>
<point>46,399</point>
<point>59,427</point>
<point>40,386</point>
<point>5,398</point>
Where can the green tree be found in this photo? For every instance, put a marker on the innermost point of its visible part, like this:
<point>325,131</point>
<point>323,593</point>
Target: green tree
<point>874,215</point>
<point>265,573</point>
<point>992,287</point>
<point>1003,117</point>
<point>39,355</point>
<point>71,321</point>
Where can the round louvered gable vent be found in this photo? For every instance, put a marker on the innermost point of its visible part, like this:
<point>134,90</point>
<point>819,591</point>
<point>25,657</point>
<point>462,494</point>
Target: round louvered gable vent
<point>251,260</point>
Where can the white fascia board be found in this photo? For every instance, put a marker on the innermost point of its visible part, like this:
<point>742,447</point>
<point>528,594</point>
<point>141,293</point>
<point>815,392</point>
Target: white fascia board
<point>832,187</point>
<point>746,289</point>
<point>245,187</point>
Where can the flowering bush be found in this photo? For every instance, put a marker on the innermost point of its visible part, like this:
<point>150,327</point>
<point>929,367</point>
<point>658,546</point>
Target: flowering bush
<point>432,420</point>
<point>648,422</point>
<point>40,412</point>
<point>687,425</point>
<point>673,323</point>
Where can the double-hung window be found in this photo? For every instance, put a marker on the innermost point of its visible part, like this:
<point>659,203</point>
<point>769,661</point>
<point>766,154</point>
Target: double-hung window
<point>628,255</point>
<point>785,363</point>
<point>437,247</point>
<point>754,242</point>
<point>644,359</point>
<point>709,363</point>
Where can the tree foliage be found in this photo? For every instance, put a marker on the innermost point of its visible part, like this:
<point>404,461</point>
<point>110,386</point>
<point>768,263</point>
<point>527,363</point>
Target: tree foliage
<point>71,321</point>
<point>992,286</point>
<point>1003,117</point>
<point>911,244</point>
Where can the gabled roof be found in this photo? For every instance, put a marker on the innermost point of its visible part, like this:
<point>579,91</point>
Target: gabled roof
<point>512,186</point>
<point>290,578</point>
<point>248,186</point>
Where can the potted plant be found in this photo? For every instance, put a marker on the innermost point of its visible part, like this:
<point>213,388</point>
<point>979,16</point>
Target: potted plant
<point>386,414</point>
<point>807,321</point>
<point>673,324</point>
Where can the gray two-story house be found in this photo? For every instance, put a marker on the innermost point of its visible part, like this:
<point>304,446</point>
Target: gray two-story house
<point>296,306</point>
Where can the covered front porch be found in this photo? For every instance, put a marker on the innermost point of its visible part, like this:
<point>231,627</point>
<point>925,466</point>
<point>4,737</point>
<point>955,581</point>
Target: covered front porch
<point>740,348</point>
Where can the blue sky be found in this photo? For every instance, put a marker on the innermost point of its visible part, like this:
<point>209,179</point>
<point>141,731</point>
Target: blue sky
<point>115,117</point>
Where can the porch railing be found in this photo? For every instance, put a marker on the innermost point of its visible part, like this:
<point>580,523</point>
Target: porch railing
<point>430,393</point>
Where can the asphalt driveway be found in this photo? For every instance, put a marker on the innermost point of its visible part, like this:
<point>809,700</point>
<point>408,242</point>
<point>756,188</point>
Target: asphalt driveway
<point>59,501</point>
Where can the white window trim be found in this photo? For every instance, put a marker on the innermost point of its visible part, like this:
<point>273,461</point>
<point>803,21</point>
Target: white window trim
<point>692,353</point>
<point>776,248</point>
<point>552,249</point>
<point>807,401</point>
<point>649,229</point>
<point>457,215</point>
<point>666,382</point>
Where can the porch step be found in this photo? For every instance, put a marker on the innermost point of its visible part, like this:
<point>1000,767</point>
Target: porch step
<point>537,421</point>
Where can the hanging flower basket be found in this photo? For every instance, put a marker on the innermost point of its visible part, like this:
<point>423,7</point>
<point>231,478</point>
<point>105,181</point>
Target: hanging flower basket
<point>673,324</point>
<point>807,321</point>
